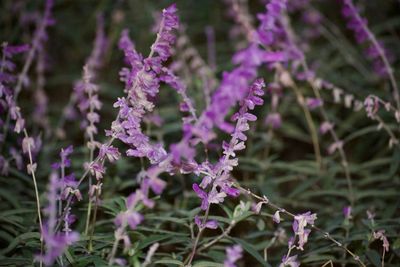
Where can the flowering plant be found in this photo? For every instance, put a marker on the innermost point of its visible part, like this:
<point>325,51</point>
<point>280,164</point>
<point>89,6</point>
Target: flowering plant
<point>271,139</point>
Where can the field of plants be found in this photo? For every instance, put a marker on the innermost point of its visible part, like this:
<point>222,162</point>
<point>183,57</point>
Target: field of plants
<point>212,133</point>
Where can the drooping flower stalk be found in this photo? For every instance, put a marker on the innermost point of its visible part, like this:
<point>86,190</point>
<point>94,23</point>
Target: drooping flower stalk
<point>376,50</point>
<point>380,235</point>
<point>350,101</point>
<point>263,200</point>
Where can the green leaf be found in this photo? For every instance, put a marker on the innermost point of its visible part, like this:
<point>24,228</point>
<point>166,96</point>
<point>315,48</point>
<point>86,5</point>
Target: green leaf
<point>169,261</point>
<point>207,264</point>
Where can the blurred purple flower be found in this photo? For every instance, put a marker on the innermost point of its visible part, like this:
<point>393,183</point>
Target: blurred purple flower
<point>233,254</point>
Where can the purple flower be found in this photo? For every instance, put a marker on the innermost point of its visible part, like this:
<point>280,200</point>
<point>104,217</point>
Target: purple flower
<point>202,195</point>
<point>273,120</point>
<point>375,50</point>
<point>313,103</point>
<point>325,127</point>
<point>10,50</point>
<point>211,224</point>
<point>233,254</point>
<point>299,227</point>
<point>55,242</point>
<point>110,152</point>
<point>289,261</point>
<point>219,178</point>
<point>276,217</point>
<point>165,38</point>
<point>132,218</point>
<point>142,83</point>
<point>335,146</point>
<point>97,170</point>
<point>28,144</point>
<point>381,235</point>
<point>347,212</point>
<point>270,29</point>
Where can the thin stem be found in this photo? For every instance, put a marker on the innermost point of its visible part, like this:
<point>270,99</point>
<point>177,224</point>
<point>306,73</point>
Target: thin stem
<point>113,251</point>
<point>310,124</point>
<point>218,238</point>
<point>32,171</point>
<point>201,229</point>
<point>90,246</point>
<point>91,155</point>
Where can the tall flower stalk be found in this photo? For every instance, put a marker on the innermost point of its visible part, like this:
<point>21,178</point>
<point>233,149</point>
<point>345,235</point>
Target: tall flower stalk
<point>217,178</point>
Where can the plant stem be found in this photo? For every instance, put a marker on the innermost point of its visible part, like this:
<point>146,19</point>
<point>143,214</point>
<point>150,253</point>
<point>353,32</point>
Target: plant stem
<point>218,238</point>
<point>36,195</point>
<point>90,245</point>
<point>201,229</point>
<point>310,124</point>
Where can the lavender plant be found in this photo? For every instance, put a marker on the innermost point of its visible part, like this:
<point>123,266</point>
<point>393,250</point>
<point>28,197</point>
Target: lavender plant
<point>121,145</point>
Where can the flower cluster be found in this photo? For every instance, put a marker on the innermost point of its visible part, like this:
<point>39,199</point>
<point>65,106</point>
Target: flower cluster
<point>56,242</point>
<point>141,83</point>
<point>68,182</point>
<point>380,235</point>
<point>85,93</point>
<point>218,176</point>
<point>7,78</point>
<point>270,31</point>
<point>299,227</point>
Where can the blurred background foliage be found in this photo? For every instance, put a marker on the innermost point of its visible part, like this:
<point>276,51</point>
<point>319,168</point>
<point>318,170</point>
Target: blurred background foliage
<point>288,175</point>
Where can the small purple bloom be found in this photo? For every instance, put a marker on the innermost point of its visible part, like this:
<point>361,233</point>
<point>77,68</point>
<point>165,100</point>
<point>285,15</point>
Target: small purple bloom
<point>313,103</point>
<point>276,217</point>
<point>233,254</point>
<point>289,261</point>
<point>299,224</point>
<point>274,120</point>
<point>325,127</point>
<point>347,212</point>
<point>110,152</point>
<point>97,170</point>
<point>202,195</point>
